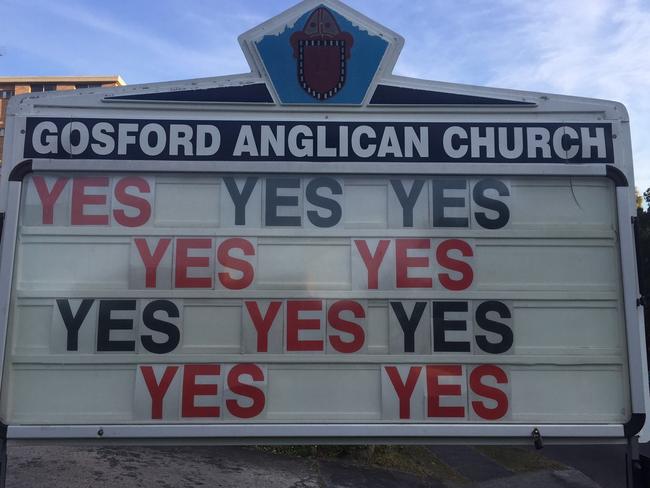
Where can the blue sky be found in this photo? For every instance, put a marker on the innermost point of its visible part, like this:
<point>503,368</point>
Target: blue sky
<point>592,48</point>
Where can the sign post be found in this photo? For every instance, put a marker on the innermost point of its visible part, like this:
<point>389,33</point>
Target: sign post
<point>319,250</point>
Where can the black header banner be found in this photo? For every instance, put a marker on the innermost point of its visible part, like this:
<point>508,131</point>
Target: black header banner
<point>206,140</point>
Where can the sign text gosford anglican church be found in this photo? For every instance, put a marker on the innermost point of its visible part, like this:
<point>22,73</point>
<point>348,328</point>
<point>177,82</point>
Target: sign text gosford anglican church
<point>126,139</point>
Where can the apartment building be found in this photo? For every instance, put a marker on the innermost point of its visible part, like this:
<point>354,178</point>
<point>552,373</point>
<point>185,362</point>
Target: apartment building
<point>18,85</point>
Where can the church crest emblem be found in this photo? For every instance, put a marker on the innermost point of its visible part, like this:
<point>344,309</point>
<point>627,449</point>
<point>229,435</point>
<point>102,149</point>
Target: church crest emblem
<point>322,51</point>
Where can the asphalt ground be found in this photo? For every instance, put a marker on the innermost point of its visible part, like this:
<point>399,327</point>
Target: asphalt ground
<point>604,464</point>
<point>55,466</point>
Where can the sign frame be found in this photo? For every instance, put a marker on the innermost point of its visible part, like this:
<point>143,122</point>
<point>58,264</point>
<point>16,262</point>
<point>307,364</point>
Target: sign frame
<point>361,432</point>
<point>460,104</point>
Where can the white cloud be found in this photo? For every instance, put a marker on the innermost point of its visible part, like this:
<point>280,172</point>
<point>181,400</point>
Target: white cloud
<point>163,50</point>
<point>86,36</point>
<point>590,48</point>
<point>595,48</point>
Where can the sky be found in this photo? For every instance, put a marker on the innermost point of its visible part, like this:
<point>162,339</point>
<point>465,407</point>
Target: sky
<point>590,48</point>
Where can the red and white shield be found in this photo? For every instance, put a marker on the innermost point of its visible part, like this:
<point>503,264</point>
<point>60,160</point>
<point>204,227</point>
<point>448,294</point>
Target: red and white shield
<point>322,51</point>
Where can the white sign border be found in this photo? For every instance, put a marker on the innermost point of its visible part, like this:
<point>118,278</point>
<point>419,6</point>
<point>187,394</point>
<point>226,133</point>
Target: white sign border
<point>357,432</point>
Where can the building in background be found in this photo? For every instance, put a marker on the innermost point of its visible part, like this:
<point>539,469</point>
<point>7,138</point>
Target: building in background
<point>18,85</point>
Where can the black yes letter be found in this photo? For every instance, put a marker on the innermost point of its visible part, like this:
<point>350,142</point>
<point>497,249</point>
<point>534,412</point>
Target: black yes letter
<point>409,324</point>
<point>240,199</point>
<point>441,325</point>
<point>106,324</point>
<point>407,201</point>
<point>440,202</point>
<point>320,201</point>
<point>504,330</point>
<point>170,330</point>
<point>273,201</point>
<point>73,322</point>
<point>481,199</point>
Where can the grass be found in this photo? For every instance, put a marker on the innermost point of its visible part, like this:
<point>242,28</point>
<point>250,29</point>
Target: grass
<point>519,459</point>
<point>415,460</point>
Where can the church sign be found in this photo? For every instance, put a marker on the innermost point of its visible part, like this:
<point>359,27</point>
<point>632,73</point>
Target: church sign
<point>318,249</point>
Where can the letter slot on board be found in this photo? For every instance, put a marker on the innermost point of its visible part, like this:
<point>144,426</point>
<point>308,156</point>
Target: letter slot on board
<point>252,270</point>
<point>151,319</point>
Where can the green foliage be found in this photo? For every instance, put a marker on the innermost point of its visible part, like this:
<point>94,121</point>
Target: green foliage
<point>416,460</point>
<point>519,459</point>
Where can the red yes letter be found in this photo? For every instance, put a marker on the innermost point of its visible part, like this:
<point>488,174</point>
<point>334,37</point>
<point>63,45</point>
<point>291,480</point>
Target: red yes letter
<point>442,256</point>
<point>151,261</point>
<point>296,324</point>
<point>49,198</point>
<point>139,203</point>
<point>435,390</point>
<point>245,390</point>
<point>183,261</point>
<point>191,389</point>
<point>489,392</point>
<point>240,265</point>
<point>81,199</point>
<point>372,262</point>
<point>404,390</point>
<point>263,324</point>
<point>403,262</point>
<point>342,325</point>
<point>157,390</point>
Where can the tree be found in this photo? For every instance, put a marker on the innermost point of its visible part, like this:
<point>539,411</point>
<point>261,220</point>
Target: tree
<point>643,253</point>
